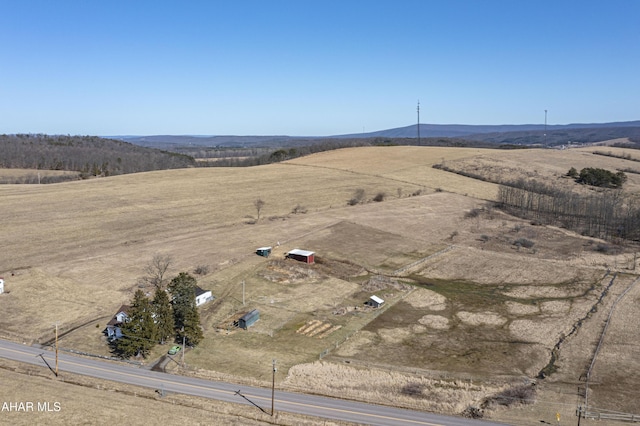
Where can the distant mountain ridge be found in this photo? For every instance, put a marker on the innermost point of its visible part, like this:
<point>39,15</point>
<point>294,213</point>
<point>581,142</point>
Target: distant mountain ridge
<point>460,130</point>
<point>490,133</point>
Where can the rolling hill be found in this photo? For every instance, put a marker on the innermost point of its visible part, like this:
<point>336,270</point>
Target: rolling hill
<point>497,134</point>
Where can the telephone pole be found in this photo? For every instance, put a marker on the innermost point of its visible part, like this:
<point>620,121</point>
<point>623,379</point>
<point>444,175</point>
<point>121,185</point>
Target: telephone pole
<point>56,349</point>
<point>273,386</point>
<point>183,347</point>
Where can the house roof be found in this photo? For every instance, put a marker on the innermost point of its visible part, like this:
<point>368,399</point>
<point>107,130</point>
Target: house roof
<point>264,248</point>
<point>200,292</point>
<point>376,299</point>
<point>301,252</point>
<point>124,309</point>
<point>250,315</point>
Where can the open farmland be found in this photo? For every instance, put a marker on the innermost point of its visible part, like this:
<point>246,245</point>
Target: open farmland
<point>467,310</point>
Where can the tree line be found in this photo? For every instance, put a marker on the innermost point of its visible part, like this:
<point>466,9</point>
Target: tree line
<point>88,155</point>
<point>603,214</point>
<point>160,319</point>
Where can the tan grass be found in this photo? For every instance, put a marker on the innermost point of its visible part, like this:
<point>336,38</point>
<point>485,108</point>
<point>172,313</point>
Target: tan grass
<point>531,292</point>
<point>20,173</point>
<point>394,335</point>
<point>555,307</point>
<point>497,267</point>
<point>481,318</point>
<point>411,164</point>
<point>547,165</point>
<point>538,331</point>
<point>417,328</point>
<point>356,343</point>
<point>435,321</point>
<point>382,386</point>
<point>427,299</point>
<point>76,251</point>
<point>75,399</point>
<point>515,308</point>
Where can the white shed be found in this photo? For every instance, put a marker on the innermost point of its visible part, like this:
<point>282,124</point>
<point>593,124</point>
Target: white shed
<point>203,296</point>
<point>375,301</point>
<point>1,285</point>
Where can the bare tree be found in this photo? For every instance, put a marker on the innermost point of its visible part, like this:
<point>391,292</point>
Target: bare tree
<point>157,268</point>
<point>259,204</point>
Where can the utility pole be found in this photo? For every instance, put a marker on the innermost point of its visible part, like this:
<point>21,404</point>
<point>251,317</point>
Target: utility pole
<point>183,345</point>
<point>418,121</point>
<point>273,386</point>
<point>242,292</point>
<point>579,414</point>
<point>56,349</point>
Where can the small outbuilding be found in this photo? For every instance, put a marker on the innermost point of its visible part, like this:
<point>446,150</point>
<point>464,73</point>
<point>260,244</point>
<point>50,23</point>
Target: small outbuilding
<point>1,285</point>
<point>263,251</point>
<point>248,319</point>
<point>375,301</point>
<point>302,255</point>
<point>203,296</point>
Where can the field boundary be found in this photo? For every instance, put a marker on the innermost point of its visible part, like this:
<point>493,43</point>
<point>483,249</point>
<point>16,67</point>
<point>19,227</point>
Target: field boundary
<point>407,268</point>
<point>601,341</point>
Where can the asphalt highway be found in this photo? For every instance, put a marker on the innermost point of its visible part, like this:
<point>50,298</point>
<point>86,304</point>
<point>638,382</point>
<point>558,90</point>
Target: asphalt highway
<point>260,398</point>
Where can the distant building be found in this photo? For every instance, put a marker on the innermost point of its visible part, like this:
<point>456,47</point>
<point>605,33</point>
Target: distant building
<point>203,296</point>
<point>301,255</point>
<point>263,251</point>
<point>1,285</point>
<point>248,319</point>
<point>375,301</point>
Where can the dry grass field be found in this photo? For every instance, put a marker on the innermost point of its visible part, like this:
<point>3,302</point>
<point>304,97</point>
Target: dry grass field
<point>468,314</point>
<point>70,396</point>
<point>13,176</point>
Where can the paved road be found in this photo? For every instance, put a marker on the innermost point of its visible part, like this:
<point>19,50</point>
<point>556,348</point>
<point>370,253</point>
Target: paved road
<point>323,407</point>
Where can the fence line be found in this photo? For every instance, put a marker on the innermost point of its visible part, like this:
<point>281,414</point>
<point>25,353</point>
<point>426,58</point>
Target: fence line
<point>601,341</point>
<point>598,415</point>
<point>418,262</point>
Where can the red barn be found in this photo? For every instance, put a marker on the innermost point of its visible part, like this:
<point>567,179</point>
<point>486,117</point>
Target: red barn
<point>301,255</point>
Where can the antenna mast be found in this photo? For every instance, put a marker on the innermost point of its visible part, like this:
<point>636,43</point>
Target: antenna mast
<point>418,121</point>
<point>545,126</point>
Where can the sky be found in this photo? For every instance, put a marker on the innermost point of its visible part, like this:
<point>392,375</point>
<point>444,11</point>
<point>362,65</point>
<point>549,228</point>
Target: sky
<point>313,67</point>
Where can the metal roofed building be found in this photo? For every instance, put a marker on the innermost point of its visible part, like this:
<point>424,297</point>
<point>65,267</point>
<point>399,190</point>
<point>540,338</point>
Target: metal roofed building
<point>375,301</point>
<point>248,319</point>
<point>302,255</point>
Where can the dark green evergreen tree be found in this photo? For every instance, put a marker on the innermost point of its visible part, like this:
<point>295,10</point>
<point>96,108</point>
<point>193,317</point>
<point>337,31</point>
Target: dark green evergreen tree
<point>163,316</point>
<point>192,331</point>
<point>572,173</point>
<point>139,331</point>
<point>185,313</point>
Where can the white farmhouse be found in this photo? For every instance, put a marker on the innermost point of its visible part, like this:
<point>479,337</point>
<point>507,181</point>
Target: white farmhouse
<point>203,296</point>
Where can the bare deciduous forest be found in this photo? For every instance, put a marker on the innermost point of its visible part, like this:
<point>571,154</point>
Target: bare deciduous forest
<point>88,155</point>
<point>603,214</point>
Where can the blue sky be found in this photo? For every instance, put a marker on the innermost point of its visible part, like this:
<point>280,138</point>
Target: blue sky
<point>313,68</point>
